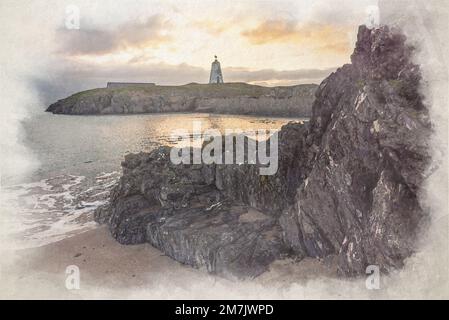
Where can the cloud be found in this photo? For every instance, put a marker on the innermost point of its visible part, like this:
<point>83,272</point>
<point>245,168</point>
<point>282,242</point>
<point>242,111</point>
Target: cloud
<point>339,47</point>
<point>90,41</point>
<point>273,31</point>
<point>347,11</point>
<point>321,37</point>
<point>212,27</point>
<point>269,76</point>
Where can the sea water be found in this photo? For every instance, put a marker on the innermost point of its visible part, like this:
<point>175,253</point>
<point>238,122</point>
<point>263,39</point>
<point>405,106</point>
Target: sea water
<point>79,161</point>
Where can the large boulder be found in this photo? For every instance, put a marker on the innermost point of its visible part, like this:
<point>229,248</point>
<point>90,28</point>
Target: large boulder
<point>221,217</point>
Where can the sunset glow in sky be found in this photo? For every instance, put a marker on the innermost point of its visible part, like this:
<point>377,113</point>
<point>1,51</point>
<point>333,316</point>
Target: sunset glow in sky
<point>283,42</point>
<point>248,36</point>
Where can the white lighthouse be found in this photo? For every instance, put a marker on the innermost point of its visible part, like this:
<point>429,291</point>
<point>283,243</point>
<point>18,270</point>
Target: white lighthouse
<point>215,72</point>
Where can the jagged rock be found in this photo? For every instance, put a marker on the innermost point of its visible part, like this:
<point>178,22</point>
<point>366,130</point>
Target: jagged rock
<point>220,217</point>
<point>371,132</point>
<point>346,185</point>
<point>226,239</point>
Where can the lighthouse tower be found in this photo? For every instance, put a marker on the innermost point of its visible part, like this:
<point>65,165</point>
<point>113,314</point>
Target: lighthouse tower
<point>215,72</point>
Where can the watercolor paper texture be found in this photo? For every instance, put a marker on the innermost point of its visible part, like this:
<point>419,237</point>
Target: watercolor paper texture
<point>311,161</point>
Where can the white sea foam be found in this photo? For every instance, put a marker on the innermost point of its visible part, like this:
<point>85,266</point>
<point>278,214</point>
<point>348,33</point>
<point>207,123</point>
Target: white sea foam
<point>53,209</point>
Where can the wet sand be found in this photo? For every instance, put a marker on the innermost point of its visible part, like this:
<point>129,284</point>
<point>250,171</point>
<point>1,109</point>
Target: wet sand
<point>110,270</point>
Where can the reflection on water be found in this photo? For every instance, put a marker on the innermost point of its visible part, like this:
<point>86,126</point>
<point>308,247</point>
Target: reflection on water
<point>88,145</point>
<point>80,160</point>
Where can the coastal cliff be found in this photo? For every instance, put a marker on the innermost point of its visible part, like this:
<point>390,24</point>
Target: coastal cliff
<point>346,187</point>
<point>224,98</point>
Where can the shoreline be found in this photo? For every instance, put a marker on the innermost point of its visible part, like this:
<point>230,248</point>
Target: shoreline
<point>234,115</point>
<point>111,270</point>
<point>229,98</point>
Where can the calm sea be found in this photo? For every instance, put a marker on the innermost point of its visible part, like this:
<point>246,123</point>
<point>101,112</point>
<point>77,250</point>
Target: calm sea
<point>79,161</point>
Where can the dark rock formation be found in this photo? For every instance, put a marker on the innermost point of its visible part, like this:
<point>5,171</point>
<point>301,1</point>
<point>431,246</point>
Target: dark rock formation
<point>369,134</point>
<point>225,98</point>
<point>222,217</point>
<point>346,186</point>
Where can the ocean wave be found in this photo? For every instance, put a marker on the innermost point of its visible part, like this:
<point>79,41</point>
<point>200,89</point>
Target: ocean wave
<point>52,209</point>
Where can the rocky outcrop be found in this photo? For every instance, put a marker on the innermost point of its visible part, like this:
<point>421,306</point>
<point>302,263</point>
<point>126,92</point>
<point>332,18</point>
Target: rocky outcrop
<point>217,216</point>
<point>224,98</point>
<point>369,134</point>
<point>347,183</point>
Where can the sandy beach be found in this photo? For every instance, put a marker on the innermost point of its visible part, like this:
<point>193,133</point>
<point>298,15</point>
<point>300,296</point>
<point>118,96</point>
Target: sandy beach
<point>110,270</point>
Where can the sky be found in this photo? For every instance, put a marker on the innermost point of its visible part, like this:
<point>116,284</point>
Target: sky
<point>173,42</point>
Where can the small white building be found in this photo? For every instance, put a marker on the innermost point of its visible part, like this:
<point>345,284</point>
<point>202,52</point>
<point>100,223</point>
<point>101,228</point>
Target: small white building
<point>215,72</point>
